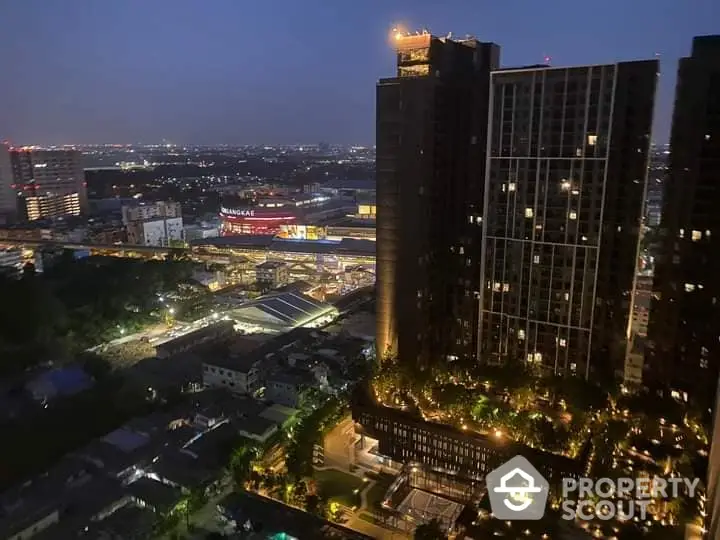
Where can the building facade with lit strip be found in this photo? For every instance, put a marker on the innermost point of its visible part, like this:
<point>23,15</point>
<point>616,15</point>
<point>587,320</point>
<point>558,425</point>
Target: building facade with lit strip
<point>291,216</point>
<point>49,183</point>
<point>430,154</point>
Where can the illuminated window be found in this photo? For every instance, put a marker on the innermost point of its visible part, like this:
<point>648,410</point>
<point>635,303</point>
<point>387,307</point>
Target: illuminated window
<point>497,286</point>
<point>564,185</point>
<point>572,214</point>
<point>521,334</point>
<point>528,212</point>
<point>414,71</point>
<point>566,296</point>
<point>506,287</point>
<point>563,342</point>
<point>689,287</point>
<point>592,140</point>
<point>536,259</point>
<point>578,152</point>
<point>681,233</point>
<point>707,233</point>
<point>511,186</point>
<point>696,235</point>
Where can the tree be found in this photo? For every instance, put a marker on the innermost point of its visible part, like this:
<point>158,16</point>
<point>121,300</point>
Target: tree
<point>432,530</point>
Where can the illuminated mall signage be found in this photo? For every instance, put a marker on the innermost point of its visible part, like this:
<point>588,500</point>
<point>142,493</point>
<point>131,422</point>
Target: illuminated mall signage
<point>236,212</point>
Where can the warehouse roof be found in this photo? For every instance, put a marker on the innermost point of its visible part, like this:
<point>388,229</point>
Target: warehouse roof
<point>286,308</point>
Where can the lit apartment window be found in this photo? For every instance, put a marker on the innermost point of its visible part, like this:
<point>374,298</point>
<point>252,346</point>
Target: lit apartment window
<point>505,287</point>
<point>563,342</point>
<point>681,233</point>
<point>511,186</point>
<point>497,286</point>
<point>566,296</point>
<point>592,140</point>
<point>528,212</point>
<point>707,233</point>
<point>536,259</point>
<point>564,185</point>
<point>689,287</point>
<point>521,334</point>
<point>696,235</point>
<point>572,214</point>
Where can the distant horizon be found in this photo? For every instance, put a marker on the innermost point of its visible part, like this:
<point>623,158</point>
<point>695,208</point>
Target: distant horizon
<point>281,70</point>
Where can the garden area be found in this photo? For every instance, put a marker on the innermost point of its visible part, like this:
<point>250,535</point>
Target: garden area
<point>337,486</point>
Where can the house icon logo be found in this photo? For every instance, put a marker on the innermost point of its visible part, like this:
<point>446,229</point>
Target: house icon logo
<point>517,491</point>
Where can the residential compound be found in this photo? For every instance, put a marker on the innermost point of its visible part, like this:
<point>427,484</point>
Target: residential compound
<point>50,183</point>
<point>683,348</point>
<point>563,209</point>
<point>509,207</point>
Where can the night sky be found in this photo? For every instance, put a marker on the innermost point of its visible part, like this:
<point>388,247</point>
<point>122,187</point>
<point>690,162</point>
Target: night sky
<point>283,71</point>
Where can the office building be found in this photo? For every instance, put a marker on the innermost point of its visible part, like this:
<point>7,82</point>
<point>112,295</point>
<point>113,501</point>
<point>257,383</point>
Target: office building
<point>564,195</point>
<point>147,211</point>
<point>684,350</point>
<point>431,124</point>
<point>8,198</point>
<point>51,182</point>
<point>161,231</point>
<point>154,224</point>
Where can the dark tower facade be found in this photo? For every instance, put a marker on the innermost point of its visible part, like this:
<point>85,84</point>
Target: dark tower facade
<point>564,196</point>
<point>430,144</point>
<point>684,348</point>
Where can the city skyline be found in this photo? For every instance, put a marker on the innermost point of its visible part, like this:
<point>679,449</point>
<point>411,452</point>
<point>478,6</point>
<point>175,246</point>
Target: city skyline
<point>254,75</point>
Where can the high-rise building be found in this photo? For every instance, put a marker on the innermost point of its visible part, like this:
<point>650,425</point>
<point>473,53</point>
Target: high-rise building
<point>431,124</point>
<point>656,178</point>
<point>8,199</point>
<point>684,349</point>
<point>564,195</point>
<point>52,182</point>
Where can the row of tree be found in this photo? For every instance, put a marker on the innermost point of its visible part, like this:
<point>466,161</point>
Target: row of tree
<point>77,304</point>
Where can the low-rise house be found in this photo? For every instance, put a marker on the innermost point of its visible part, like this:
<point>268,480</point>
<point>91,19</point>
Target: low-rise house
<point>158,497</point>
<point>238,373</point>
<point>286,386</point>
